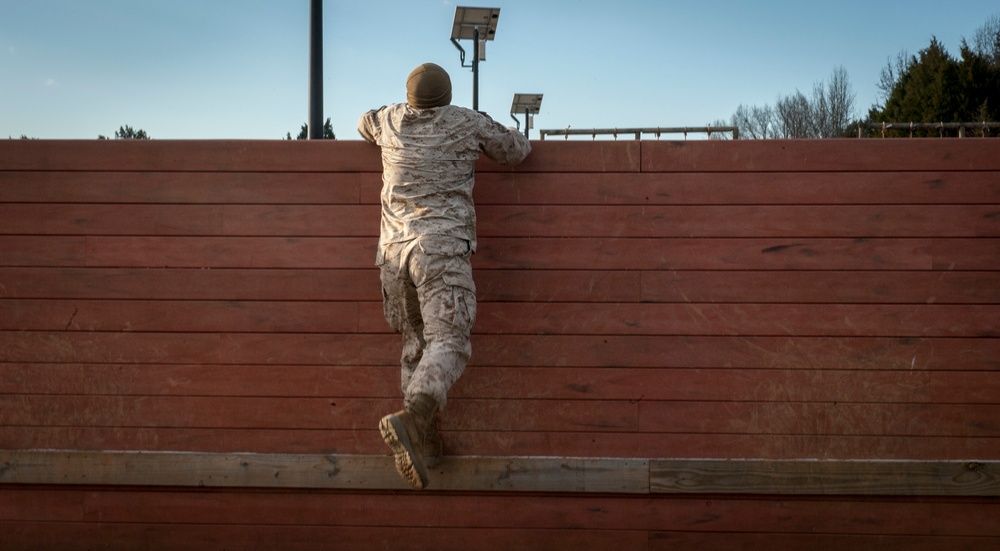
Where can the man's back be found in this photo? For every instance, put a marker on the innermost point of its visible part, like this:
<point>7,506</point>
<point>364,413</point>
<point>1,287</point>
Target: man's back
<point>428,158</point>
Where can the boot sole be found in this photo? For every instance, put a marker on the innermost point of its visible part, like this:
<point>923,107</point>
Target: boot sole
<point>409,465</point>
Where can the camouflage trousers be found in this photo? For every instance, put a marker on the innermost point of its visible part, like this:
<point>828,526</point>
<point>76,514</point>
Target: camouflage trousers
<point>429,297</point>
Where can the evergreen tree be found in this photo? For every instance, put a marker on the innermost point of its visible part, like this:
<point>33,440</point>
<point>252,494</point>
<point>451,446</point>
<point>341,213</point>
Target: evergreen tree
<point>127,133</point>
<point>934,86</point>
<point>304,132</point>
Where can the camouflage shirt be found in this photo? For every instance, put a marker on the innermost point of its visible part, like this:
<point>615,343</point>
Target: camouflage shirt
<point>428,160</point>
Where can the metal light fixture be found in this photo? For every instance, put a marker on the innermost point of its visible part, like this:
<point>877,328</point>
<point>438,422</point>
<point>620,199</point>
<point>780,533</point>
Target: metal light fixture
<point>529,105</point>
<point>478,25</point>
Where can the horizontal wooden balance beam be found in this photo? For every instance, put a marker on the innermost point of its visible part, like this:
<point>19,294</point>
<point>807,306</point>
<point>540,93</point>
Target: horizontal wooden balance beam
<point>506,474</point>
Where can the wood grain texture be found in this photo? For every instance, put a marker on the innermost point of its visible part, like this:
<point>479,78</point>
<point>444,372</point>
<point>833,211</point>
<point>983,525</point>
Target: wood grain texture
<point>739,345</point>
<point>821,155</point>
<point>508,474</point>
<point>599,286</point>
<point>918,385</point>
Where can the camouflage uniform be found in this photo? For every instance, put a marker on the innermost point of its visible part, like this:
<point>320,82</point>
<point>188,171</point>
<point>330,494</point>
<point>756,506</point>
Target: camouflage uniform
<point>428,232</point>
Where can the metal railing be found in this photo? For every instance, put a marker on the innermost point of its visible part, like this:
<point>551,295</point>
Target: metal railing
<point>941,127</point>
<point>638,132</point>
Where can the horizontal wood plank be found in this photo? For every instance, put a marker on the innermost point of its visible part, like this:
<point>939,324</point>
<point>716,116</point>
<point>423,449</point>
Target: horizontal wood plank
<point>724,319</point>
<point>500,350</point>
<point>820,155</point>
<point>190,155</point>
<point>158,536</point>
<point>969,478</point>
<point>295,413</point>
<point>913,386</point>
<point>739,221</point>
<point>513,253</point>
<point>512,416</point>
<point>367,441</point>
<point>508,188</point>
<point>509,221</point>
<point>674,512</point>
<point>824,477</point>
<point>280,156</point>
<point>521,318</point>
<point>664,541</point>
<point>835,287</point>
<point>200,188</point>
<point>734,188</point>
<point>688,286</point>
<point>187,284</point>
<point>813,353</point>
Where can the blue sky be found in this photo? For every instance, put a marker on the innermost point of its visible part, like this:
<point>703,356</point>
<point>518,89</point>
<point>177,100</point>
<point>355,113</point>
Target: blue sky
<point>221,69</point>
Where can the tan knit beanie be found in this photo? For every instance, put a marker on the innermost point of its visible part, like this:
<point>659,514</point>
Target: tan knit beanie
<point>428,86</point>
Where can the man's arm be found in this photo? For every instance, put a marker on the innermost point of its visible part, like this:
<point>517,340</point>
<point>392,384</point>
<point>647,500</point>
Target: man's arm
<point>369,127</point>
<point>503,144</point>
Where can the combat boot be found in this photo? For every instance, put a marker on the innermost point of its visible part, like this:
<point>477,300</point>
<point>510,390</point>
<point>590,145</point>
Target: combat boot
<point>405,432</point>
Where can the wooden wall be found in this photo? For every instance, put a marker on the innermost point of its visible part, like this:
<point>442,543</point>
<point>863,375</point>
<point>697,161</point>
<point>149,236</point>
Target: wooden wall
<point>712,345</point>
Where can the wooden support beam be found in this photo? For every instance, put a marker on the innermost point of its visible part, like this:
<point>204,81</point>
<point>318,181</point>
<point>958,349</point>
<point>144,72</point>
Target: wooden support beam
<point>341,472</point>
<point>826,477</point>
<point>505,474</point>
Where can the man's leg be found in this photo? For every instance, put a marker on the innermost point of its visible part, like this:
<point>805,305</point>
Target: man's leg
<point>448,310</point>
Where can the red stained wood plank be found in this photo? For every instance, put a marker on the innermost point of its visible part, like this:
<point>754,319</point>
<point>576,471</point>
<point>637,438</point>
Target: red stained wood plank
<point>194,348</point>
<point>303,220</point>
<point>514,253</point>
<point>282,156</point>
<point>604,156</point>
<point>721,446</point>
<point>718,515</point>
<point>508,188</point>
<point>187,284</point>
<point>814,353</point>
<point>77,219</point>
<point>298,413</point>
<point>40,251</point>
<point>184,316</point>
<point>510,221</point>
<point>367,441</point>
<point>512,416</point>
<point>170,537</point>
<point>748,352</point>
<point>961,254</point>
<point>661,541</point>
<point>840,287</point>
<point>556,285</point>
<point>725,254</point>
<point>951,516</point>
<point>820,155</point>
<point>736,188</point>
<point>509,318</point>
<point>231,252</point>
<point>149,187</point>
<point>740,221</point>
<point>189,220</point>
<point>190,155</point>
<point>821,419</point>
<point>201,380</point>
<point>771,286</point>
<point>916,386</point>
<point>727,319</point>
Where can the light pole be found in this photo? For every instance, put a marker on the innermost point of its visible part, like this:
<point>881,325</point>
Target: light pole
<point>316,70</point>
<point>529,105</point>
<point>478,25</point>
